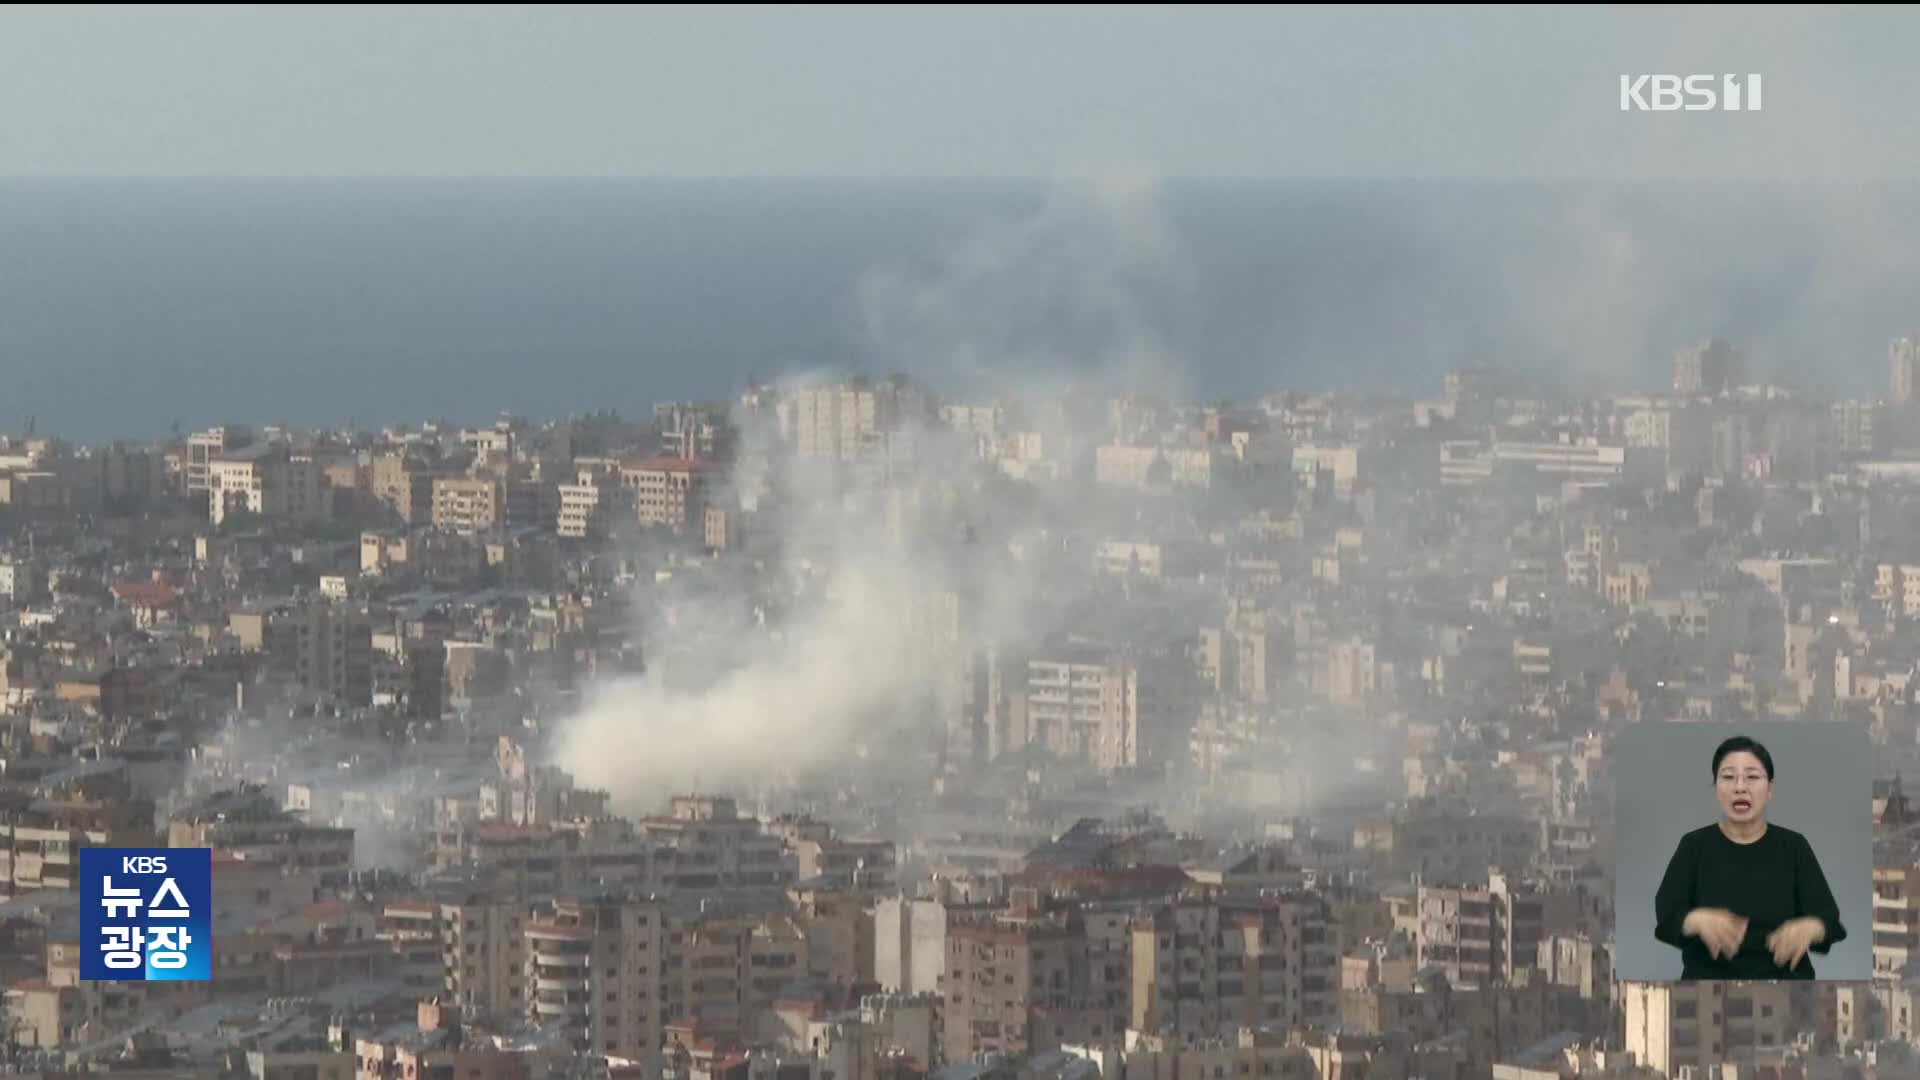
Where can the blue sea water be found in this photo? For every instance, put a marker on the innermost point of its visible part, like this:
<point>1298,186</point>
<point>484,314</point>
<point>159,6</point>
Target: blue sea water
<point>127,307</point>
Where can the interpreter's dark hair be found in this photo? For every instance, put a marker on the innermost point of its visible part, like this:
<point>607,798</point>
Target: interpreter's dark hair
<point>1737,744</point>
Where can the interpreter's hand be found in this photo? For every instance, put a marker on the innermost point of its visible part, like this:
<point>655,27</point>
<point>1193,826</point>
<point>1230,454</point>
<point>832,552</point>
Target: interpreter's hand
<point>1789,944</point>
<point>1719,929</point>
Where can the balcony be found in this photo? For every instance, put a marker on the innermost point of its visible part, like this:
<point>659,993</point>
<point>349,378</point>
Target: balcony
<point>544,956</point>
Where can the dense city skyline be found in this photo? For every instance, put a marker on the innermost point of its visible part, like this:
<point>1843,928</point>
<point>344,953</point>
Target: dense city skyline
<point>922,544</point>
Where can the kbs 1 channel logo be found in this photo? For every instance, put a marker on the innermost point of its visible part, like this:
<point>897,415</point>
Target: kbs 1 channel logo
<point>1690,93</point>
<point>146,914</point>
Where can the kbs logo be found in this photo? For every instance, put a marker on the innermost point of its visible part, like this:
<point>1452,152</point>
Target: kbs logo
<point>1689,93</point>
<point>146,914</point>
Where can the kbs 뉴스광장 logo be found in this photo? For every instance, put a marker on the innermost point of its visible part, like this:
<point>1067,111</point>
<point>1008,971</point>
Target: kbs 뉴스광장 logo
<point>146,914</point>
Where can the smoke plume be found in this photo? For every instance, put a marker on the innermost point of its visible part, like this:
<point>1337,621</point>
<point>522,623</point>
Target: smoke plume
<point>841,643</point>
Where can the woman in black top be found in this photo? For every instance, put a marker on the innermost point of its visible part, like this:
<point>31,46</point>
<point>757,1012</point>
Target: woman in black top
<point>1744,898</point>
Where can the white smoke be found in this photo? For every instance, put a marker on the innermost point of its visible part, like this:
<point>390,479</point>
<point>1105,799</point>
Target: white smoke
<point>848,647</point>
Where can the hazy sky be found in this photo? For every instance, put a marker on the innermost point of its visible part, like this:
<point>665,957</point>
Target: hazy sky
<point>554,91</point>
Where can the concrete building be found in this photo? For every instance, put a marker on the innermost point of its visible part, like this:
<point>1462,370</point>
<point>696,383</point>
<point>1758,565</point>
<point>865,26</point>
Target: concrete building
<point>1344,463</point>
<point>249,821</point>
<point>668,492</point>
<point>1583,460</point>
<point>1269,1055</point>
<point>722,971</point>
<point>1350,673</point>
<point>1902,358</point>
<point>468,504</point>
<point>474,672</point>
<point>1479,937</point>
<point>838,929</point>
<point>909,944</point>
<point>589,506</point>
<point>490,443</point>
<point>595,968</point>
<point>1086,706</point>
<point>35,491</point>
<point>999,977</point>
<point>203,447</point>
<point>23,581</point>
<point>1138,558</point>
<point>855,420</point>
<point>412,930</point>
<point>1896,589</point>
<point>426,679</point>
<point>379,552</point>
<point>705,843</point>
<point>302,1060</point>
<point>1578,963</point>
<point>440,1047</point>
<point>405,484</point>
<point>1205,969</point>
<point>1446,842</point>
<point>721,528</point>
<point>47,855</point>
<point>1896,920</point>
<point>1710,368</point>
<point>1154,468</point>
<point>1249,658</point>
<point>265,480</point>
<point>484,952</point>
<point>1672,1026</point>
<point>333,652</point>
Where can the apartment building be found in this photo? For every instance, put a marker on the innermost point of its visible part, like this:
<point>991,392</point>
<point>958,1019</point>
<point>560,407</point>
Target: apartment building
<point>594,969</point>
<point>483,950</point>
<point>439,1048</point>
<point>250,822</point>
<point>854,420</point>
<point>910,944</point>
<point>1085,704</point>
<point>1578,963</point>
<point>405,484</point>
<point>41,858</point>
<point>589,506</point>
<point>1710,368</point>
<point>838,927</point>
<point>1269,1055</point>
<point>1896,920</point>
<point>203,447</point>
<point>333,652</point>
<point>1149,468</point>
<point>721,971</point>
<point>1448,841</point>
<point>411,928</point>
<point>1479,936</point>
<point>1671,1026</point>
<point>704,843</point>
<point>1000,975</point>
<point>468,504</point>
<point>1205,969</point>
<point>668,493</point>
<point>266,481</point>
